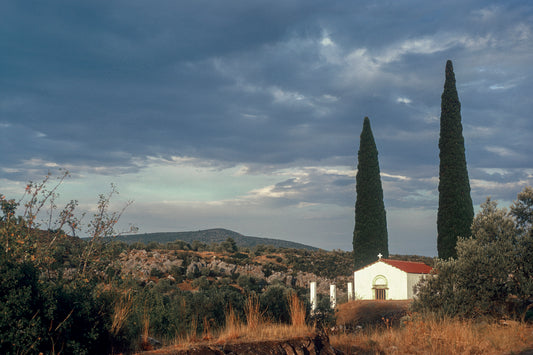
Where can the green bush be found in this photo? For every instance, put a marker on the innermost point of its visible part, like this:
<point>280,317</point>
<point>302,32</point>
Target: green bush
<point>81,319</point>
<point>153,246</point>
<point>137,246</point>
<point>493,274</point>
<point>229,245</point>
<point>178,273</point>
<point>251,284</point>
<point>324,315</point>
<point>270,268</point>
<point>49,301</point>
<point>321,263</point>
<point>274,303</point>
<point>155,272</point>
<point>42,315</point>
<point>202,283</point>
<point>178,245</point>
<point>21,308</point>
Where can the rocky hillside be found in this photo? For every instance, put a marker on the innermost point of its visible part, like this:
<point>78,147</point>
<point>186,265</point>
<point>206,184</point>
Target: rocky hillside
<point>187,268</point>
<point>263,265</point>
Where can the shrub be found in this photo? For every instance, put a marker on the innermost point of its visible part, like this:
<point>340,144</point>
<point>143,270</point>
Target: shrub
<point>44,315</point>
<point>153,246</point>
<point>178,245</point>
<point>229,245</point>
<point>48,297</point>
<point>177,272</point>
<point>80,318</point>
<point>251,284</point>
<point>21,308</point>
<point>324,315</point>
<point>270,268</point>
<point>492,275</point>
<point>274,303</point>
<point>137,246</point>
<point>155,272</point>
<point>202,283</point>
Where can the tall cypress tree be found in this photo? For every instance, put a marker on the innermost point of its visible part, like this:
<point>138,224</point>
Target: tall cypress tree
<point>370,233</point>
<point>456,211</point>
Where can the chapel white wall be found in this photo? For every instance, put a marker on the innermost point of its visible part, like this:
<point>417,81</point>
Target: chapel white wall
<point>412,280</point>
<point>396,281</point>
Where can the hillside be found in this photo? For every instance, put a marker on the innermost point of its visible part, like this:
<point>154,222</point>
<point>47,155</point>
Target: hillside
<point>209,236</point>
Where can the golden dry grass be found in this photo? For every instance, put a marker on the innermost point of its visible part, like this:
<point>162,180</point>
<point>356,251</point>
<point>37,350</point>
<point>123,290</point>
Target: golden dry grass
<point>254,316</point>
<point>426,335</point>
<point>121,310</point>
<point>297,311</point>
<point>145,325</point>
<point>232,329</point>
<point>417,335</point>
<point>256,328</point>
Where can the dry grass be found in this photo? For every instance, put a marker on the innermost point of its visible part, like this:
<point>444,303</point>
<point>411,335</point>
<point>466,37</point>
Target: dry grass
<point>121,311</point>
<point>297,311</point>
<point>417,334</point>
<point>192,336</point>
<point>145,325</point>
<point>256,328</point>
<point>425,335</point>
<point>254,316</point>
<point>233,328</point>
<point>238,332</point>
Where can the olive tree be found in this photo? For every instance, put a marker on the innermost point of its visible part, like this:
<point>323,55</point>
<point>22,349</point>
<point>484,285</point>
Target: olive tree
<point>492,274</point>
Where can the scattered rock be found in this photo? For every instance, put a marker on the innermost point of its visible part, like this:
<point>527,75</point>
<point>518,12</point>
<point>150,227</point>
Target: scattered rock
<point>150,344</point>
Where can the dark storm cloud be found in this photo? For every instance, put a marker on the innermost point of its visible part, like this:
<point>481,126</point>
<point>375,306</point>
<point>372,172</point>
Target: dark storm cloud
<point>138,77</point>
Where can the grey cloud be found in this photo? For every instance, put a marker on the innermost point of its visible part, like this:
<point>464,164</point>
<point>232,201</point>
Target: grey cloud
<point>139,93</point>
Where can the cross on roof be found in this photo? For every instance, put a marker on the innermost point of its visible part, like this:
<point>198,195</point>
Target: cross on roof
<point>379,256</point>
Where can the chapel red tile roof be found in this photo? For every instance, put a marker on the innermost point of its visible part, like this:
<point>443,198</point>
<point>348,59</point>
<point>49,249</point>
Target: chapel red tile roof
<point>410,267</point>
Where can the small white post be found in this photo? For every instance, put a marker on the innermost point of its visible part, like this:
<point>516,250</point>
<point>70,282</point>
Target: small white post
<point>333,296</point>
<point>354,284</point>
<point>313,300</point>
<point>350,291</point>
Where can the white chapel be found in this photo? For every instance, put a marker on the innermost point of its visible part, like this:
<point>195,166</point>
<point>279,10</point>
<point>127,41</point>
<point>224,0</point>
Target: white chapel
<point>388,279</point>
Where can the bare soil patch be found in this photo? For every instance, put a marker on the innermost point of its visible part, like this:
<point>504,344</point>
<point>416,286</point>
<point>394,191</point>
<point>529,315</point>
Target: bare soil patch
<point>370,312</point>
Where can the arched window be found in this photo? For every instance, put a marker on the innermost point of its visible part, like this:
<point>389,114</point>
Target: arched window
<point>380,287</point>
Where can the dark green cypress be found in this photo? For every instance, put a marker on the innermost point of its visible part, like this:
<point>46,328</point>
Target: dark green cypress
<point>456,211</point>
<point>370,233</point>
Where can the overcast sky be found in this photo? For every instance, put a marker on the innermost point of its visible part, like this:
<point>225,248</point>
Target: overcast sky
<point>246,115</point>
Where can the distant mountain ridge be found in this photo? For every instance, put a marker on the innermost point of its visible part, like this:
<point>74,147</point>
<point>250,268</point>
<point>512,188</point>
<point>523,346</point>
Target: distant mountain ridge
<point>208,236</point>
